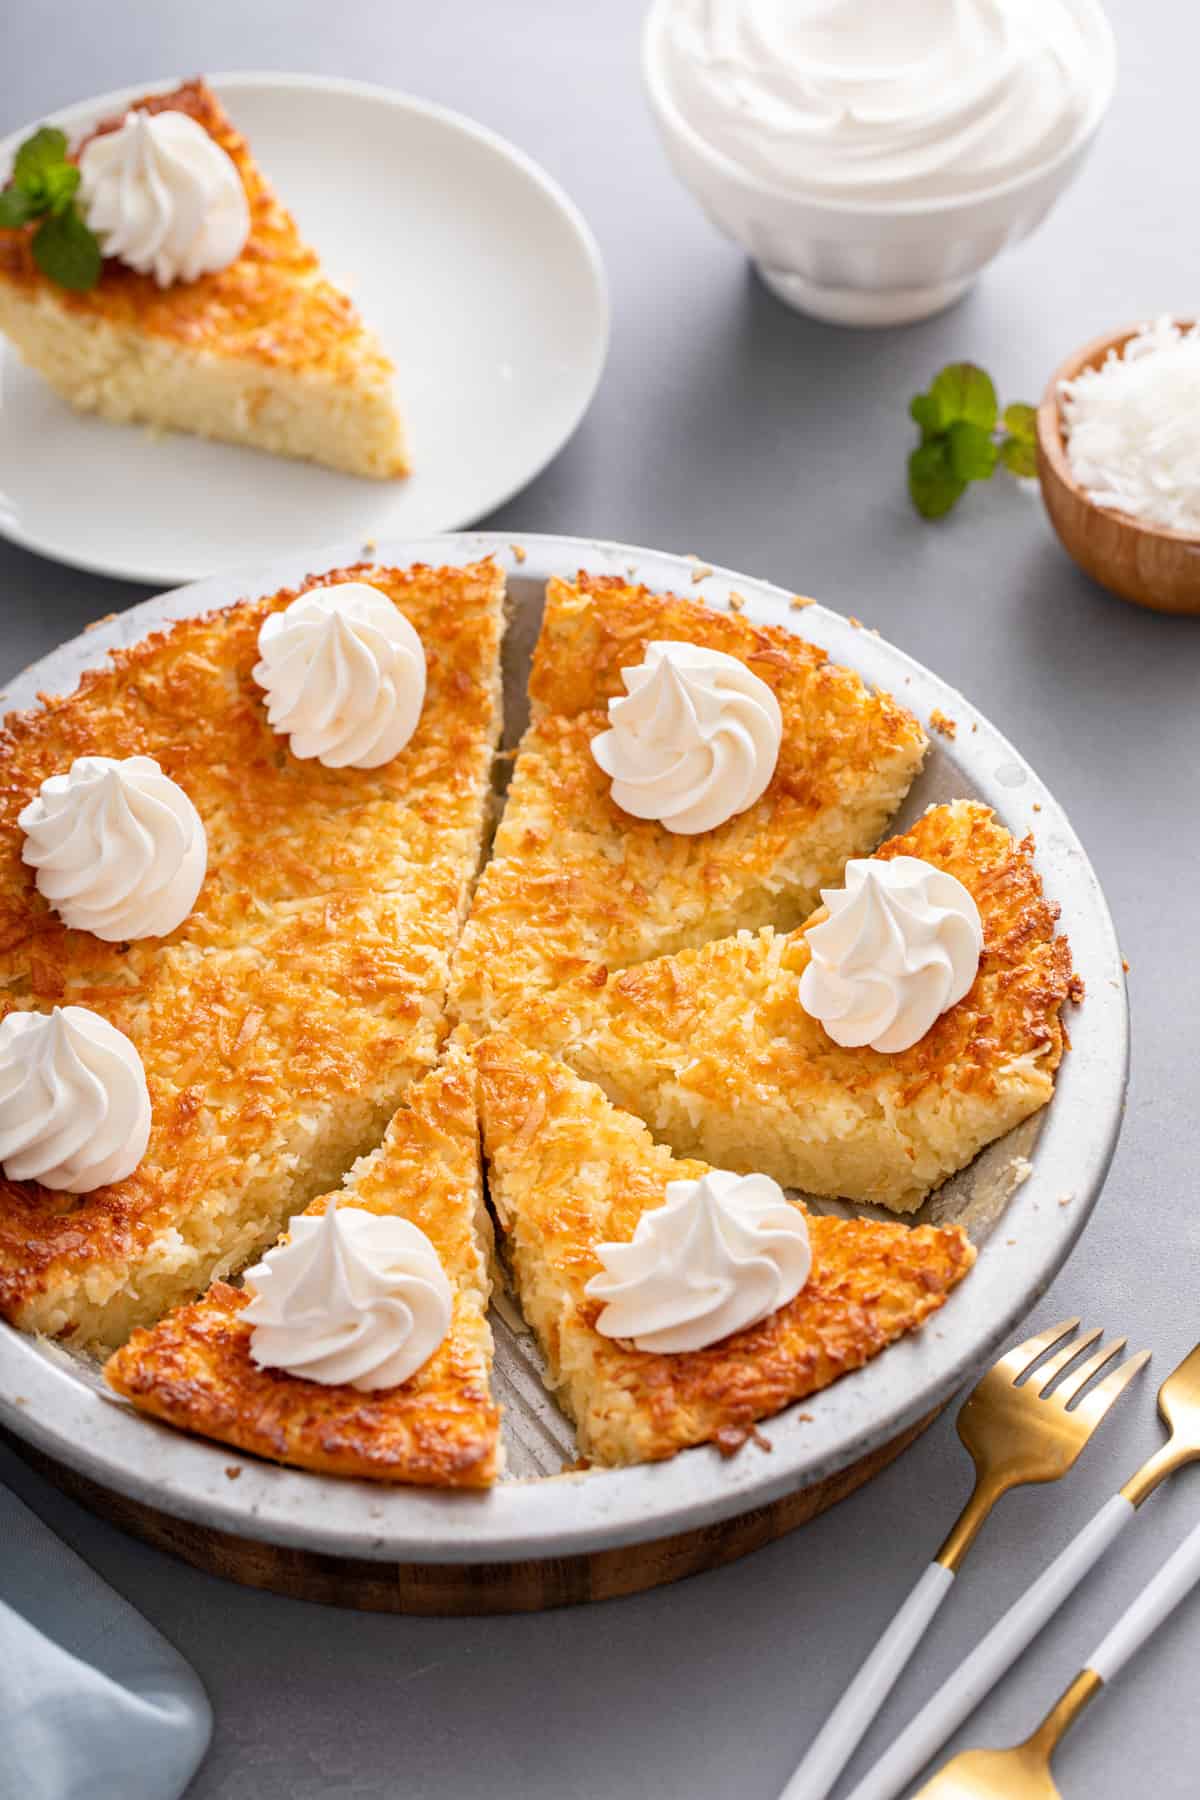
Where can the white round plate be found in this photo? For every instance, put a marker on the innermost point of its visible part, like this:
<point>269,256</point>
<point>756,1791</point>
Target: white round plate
<point>480,277</point>
<point>1042,1180</point>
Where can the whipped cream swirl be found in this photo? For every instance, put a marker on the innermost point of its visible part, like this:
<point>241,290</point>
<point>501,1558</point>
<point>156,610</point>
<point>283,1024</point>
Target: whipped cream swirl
<point>119,849</point>
<point>164,197</point>
<point>350,1298</point>
<point>901,946</point>
<point>719,1255</point>
<point>344,675</point>
<point>74,1106</point>
<point>693,741</point>
<point>885,101</point>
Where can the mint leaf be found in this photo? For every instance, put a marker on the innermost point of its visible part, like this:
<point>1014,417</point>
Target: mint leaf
<point>37,155</point>
<point>16,209</point>
<point>957,421</point>
<point>43,186</point>
<point>932,483</point>
<point>924,409</point>
<point>58,185</point>
<point>1018,457</point>
<point>65,250</point>
<point>970,451</point>
<point>1020,422</point>
<point>963,391</point>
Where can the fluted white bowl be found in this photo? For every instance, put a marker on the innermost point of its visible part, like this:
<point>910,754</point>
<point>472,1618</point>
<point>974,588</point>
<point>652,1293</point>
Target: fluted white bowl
<point>856,263</point>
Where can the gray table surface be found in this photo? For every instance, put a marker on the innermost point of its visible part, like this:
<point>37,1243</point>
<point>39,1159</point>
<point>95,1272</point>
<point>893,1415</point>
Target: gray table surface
<point>729,426</point>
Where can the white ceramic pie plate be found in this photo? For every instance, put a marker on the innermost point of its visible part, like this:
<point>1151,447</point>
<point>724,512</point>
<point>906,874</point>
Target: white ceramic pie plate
<point>58,1403</point>
<point>480,277</point>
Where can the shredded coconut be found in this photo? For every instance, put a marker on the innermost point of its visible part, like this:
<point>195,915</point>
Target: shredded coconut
<point>1133,427</point>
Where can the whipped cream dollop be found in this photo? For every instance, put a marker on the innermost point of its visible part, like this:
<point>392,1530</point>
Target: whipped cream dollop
<point>878,101</point>
<point>119,849</point>
<point>344,675</point>
<point>719,1255</point>
<point>350,1298</point>
<point>164,197</point>
<point>74,1106</point>
<point>693,741</point>
<point>901,945</point>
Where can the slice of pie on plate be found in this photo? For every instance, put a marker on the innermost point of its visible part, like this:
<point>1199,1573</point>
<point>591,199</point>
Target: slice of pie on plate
<point>265,352</point>
<point>576,886</point>
<point>281,1024</point>
<point>713,1049</point>
<point>568,1171</point>
<point>440,1428</point>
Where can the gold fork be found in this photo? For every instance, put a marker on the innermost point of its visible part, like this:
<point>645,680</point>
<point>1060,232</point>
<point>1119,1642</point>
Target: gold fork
<point>1017,1432</point>
<point>1031,1433</point>
<point>1023,1773</point>
<point>1179,1404</point>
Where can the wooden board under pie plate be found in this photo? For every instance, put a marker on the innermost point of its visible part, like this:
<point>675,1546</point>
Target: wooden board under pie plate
<point>465,1590</point>
<point>542,1537</point>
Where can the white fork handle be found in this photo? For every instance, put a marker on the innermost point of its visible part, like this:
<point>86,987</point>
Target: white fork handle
<point>847,1724</point>
<point>978,1674</point>
<point>1177,1577</point>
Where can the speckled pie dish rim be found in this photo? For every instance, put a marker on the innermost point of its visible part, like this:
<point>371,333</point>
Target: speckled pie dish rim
<point>58,1404</point>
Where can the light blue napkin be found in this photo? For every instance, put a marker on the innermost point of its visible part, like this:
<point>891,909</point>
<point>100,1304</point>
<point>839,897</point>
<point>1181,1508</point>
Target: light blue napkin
<point>93,1700</point>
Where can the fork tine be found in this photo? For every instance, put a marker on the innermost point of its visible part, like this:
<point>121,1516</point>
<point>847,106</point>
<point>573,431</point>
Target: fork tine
<point>1022,1356</point>
<point>1074,1384</point>
<point>1093,1406</point>
<point>1051,1370</point>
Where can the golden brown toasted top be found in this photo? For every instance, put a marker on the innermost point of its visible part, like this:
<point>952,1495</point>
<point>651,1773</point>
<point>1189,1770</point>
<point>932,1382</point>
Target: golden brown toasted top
<point>315,961</point>
<point>272,304</point>
<point>569,1171</point>
<point>833,725</point>
<point>280,830</point>
<point>577,885</point>
<point>427,1170</point>
<point>732,1006</point>
<point>1012,1009</point>
<point>441,1427</point>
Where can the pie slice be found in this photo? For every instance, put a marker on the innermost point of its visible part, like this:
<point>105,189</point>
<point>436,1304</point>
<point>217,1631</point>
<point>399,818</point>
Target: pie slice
<point>281,1024</point>
<point>441,1427</point>
<point>266,352</point>
<point>567,1171</point>
<point>576,886</point>
<point>714,1051</point>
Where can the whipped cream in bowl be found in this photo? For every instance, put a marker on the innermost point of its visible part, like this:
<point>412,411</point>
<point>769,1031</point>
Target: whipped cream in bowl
<point>872,155</point>
<point>694,740</point>
<point>118,848</point>
<point>349,1298</point>
<point>719,1255</point>
<point>74,1105</point>
<point>343,671</point>
<point>900,946</point>
<point>164,197</point>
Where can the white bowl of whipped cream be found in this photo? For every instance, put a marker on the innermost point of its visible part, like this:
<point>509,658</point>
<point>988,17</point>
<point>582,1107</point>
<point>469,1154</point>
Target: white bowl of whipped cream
<point>873,155</point>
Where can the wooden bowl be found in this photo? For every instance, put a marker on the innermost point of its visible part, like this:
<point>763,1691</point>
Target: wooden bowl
<point>1147,564</point>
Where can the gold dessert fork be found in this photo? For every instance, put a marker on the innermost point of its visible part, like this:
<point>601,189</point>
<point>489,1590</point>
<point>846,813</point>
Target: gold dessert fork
<point>1023,1773</point>
<point>1179,1404</point>
<point>1017,1432</point>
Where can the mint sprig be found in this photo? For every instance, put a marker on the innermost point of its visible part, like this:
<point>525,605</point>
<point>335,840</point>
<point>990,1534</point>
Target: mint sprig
<point>961,441</point>
<point>43,186</point>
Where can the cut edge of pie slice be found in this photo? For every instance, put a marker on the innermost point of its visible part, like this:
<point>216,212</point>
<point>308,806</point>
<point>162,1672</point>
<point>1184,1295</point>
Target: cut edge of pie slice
<point>266,353</point>
<point>281,1024</point>
<point>567,1171</point>
<point>441,1427</point>
<point>713,1049</point>
<point>576,887</point>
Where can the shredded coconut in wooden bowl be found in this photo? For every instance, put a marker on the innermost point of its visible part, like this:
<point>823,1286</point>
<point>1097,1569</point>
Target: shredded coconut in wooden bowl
<point>1133,427</point>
